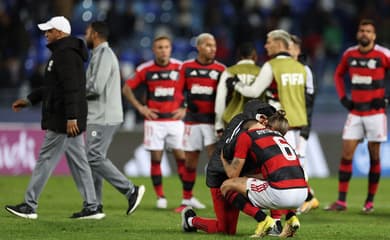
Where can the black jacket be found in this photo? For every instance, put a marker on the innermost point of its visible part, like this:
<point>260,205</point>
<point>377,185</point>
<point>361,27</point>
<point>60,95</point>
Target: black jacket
<point>63,93</point>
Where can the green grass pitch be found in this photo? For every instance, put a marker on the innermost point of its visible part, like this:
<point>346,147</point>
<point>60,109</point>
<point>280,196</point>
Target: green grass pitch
<point>60,199</point>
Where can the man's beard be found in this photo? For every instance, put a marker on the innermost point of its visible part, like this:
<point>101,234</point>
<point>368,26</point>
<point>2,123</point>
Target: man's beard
<point>364,42</point>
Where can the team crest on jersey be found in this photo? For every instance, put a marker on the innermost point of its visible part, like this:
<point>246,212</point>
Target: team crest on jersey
<point>371,63</point>
<point>174,75</point>
<point>50,65</point>
<point>213,74</point>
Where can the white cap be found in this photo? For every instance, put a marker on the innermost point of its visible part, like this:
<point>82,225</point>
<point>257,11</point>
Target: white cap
<point>59,23</point>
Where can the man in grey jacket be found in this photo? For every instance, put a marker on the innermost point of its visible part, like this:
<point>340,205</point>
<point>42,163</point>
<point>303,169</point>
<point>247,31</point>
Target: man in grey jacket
<point>105,116</point>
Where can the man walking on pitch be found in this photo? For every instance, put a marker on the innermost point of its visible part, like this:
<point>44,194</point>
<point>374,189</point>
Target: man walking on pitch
<point>105,115</point>
<point>64,114</point>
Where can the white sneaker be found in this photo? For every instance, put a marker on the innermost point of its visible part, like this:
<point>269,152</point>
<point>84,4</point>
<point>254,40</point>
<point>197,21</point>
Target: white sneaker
<point>162,203</point>
<point>193,202</point>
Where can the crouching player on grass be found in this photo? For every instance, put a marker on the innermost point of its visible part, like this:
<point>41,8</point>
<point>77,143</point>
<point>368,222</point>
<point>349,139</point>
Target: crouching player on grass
<point>280,183</point>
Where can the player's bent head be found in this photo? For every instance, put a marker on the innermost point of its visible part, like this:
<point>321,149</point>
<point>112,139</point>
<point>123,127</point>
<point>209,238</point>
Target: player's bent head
<point>255,108</point>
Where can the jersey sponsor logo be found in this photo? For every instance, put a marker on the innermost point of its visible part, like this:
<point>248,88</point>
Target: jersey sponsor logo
<point>292,79</point>
<point>174,75</point>
<point>155,76</point>
<point>357,79</point>
<point>199,89</point>
<point>193,73</point>
<point>163,92</point>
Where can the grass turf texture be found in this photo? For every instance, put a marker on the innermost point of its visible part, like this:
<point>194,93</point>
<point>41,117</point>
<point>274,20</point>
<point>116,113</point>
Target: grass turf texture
<point>60,199</point>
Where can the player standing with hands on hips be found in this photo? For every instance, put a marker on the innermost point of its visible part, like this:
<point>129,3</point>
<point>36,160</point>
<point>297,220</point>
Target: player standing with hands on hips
<point>366,64</point>
<point>163,110</point>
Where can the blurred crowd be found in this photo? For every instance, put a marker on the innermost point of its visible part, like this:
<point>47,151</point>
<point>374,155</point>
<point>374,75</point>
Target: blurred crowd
<point>326,27</point>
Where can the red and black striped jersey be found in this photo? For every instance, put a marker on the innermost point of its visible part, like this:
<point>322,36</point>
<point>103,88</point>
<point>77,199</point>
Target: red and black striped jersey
<point>200,83</point>
<point>272,156</point>
<point>164,89</point>
<point>367,73</point>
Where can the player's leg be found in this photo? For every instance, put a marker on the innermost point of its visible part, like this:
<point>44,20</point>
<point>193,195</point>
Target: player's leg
<point>192,144</point>
<point>352,135</point>
<point>174,141</point>
<point>376,126</point>
<point>154,138</point>
<point>211,225</point>
<point>373,175</point>
<point>156,176</point>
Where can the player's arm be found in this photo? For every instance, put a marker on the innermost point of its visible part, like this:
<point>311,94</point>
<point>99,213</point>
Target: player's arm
<point>179,97</point>
<point>127,91</point>
<point>234,168</point>
<point>339,77</point>
<point>262,81</point>
<point>144,110</point>
<point>241,150</point>
<point>100,75</point>
<point>341,69</point>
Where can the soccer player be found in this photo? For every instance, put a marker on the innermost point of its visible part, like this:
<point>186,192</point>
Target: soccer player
<point>366,64</point>
<point>279,182</point>
<point>163,112</point>
<point>230,103</point>
<point>227,210</point>
<point>200,76</point>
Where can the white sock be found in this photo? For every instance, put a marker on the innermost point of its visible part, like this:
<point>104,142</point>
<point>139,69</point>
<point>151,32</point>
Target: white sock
<point>190,221</point>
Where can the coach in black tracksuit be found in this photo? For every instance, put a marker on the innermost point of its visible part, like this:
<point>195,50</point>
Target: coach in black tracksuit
<point>64,113</point>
